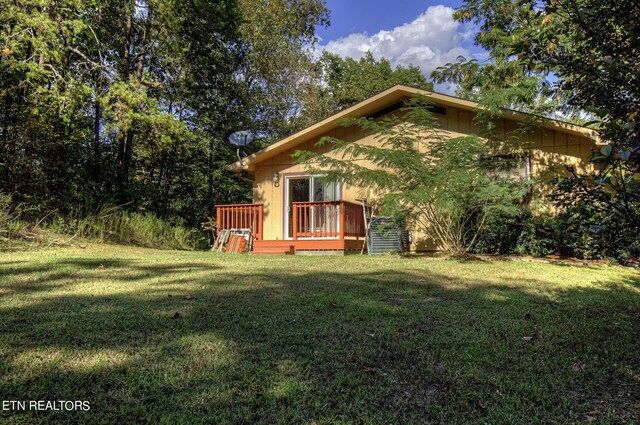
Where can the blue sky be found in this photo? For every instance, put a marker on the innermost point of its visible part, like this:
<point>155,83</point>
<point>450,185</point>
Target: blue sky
<point>407,32</point>
<point>371,16</point>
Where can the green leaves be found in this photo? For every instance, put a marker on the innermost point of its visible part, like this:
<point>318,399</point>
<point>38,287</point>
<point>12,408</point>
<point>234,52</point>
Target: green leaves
<point>349,81</point>
<point>105,101</point>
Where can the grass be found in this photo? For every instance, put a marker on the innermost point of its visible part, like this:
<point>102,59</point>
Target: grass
<point>192,337</point>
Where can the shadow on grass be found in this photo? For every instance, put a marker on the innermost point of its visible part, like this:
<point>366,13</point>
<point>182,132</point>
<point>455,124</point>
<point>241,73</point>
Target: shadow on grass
<point>202,343</point>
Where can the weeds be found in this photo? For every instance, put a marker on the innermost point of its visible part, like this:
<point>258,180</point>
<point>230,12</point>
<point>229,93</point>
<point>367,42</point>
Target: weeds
<point>111,225</point>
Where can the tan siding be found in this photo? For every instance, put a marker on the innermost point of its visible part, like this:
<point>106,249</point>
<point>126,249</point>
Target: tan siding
<point>549,151</point>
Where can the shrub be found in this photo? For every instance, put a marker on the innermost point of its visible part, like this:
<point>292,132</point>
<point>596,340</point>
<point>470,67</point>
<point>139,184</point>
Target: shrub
<point>593,235</point>
<point>499,235</point>
<point>601,216</point>
<point>110,225</point>
<point>522,233</point>
<point>10,224</point>
<point>539,236</point>
<point>5,213</point>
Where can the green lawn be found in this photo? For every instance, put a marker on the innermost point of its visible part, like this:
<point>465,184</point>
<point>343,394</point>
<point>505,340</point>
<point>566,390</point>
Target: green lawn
<point>194,337</point>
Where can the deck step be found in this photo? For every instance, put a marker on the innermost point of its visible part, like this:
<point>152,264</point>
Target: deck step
<point>265,252</point>
<point>273,249</point>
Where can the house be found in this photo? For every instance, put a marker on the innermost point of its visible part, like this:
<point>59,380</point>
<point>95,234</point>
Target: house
<point>294,211</point>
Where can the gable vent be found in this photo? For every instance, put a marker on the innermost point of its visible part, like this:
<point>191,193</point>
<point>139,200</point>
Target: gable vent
<point>435,109</point>
<point>389,109</point>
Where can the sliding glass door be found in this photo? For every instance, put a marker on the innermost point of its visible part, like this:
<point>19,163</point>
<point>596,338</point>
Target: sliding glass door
<point>309,189</point>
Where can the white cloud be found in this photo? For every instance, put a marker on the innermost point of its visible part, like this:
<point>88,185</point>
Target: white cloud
<point>433,39</point>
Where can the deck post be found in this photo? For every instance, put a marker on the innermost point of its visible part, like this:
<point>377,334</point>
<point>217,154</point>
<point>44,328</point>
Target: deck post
<point>259,226</point>
<point>217,220</point>
<point>295,221</point>
<point>342,214</point>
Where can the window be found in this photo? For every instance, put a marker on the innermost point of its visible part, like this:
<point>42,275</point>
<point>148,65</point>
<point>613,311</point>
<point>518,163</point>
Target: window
<point>513,167</point>
<point>440,110</point>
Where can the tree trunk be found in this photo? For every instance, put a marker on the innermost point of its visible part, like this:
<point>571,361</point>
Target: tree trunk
<point>125,141</point>
<point>95,166</point>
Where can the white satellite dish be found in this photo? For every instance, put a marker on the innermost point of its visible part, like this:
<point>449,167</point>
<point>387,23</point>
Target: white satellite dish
<point>242,138</point>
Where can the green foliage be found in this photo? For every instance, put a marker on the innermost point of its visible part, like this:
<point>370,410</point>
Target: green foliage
<point>279,75</point>
<point>120,102</point>
<point>442,186</point>
<point>11,220</point>
<point>5,204</point>
<point>111,225</point>
<point>601,210</point>
<point>6,215</point>
<point>499,234</point>
<point>521,233</point>
<point>533,43</point>
<point>539,236</point>
<point>348,81</point>
<point>576,57</point>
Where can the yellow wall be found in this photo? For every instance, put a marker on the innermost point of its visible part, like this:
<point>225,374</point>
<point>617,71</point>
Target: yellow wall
<point>549,151</point>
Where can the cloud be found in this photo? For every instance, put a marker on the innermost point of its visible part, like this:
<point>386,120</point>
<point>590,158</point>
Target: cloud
<point>431,40</point>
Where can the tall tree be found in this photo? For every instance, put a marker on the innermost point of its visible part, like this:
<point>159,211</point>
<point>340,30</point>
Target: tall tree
<point>578,54</point>
<point>43,92</point>
<point>173,97</point>
<point>108,101</point>
<point>279,74</point>
<point>349,81</point>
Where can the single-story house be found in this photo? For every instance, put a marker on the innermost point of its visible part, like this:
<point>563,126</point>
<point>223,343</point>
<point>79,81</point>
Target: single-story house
<point>285,194</point>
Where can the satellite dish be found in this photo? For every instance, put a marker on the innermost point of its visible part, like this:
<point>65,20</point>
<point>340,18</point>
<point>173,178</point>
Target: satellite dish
<point>242,138</point>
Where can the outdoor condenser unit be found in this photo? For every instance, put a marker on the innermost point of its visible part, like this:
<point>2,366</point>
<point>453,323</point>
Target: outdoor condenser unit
<point>386,235</point>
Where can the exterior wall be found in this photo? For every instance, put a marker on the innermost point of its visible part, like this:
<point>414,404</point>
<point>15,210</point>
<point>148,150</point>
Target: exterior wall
<point>549,152</point>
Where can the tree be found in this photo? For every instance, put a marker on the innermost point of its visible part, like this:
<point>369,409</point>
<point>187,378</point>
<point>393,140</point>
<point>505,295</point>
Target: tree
<point>580,54</point>
<point>442,186</point>
<point>346,81</point>
<point>579,57</point>
<point>42,98</point>
<point>278,75</point>
<point>107,101</point>
<point>350,81</point>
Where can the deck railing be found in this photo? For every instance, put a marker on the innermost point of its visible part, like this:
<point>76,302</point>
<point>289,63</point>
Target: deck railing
<point>247,216</point>
<point>333,219</point>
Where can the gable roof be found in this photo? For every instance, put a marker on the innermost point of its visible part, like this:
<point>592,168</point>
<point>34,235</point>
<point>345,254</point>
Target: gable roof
<point>377,102</point>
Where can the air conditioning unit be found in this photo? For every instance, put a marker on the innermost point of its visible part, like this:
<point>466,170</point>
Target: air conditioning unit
<point>386,235</point>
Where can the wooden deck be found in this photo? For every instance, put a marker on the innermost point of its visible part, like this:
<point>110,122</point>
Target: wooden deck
<point>316,226</point>
<point>302,245</point>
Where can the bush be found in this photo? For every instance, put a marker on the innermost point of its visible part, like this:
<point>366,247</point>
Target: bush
<point>499,235</point>
<point>5,213</point>
<point>591,235</point>
<point>577,232</point>
<point>10,224</point>
<point>539,236</point>
<point>601,216</point>
<point>523,234</point>
<point>110,225</point>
